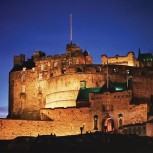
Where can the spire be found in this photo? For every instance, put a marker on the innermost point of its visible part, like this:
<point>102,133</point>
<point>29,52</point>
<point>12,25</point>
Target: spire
<point>70,28</point>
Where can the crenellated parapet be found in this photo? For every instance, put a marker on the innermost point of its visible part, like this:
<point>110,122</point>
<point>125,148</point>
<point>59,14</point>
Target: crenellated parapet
<point>128,60</point>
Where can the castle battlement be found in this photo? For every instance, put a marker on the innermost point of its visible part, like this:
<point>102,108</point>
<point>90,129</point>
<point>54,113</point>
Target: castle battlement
<point>71,93</point>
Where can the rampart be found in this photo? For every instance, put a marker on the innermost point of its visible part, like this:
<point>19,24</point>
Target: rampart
<point>32,89</point>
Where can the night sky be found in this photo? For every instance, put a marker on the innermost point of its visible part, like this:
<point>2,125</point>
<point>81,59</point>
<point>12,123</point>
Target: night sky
<point>100,26</point>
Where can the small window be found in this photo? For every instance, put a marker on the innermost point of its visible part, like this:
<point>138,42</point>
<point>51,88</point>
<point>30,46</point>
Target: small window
<point>115,70</point>
<point>40,76</point>
<point>79,69</point>
<point>24,68</point>
<point>51,74</point>
<point>127,72</point>
<point>23,78</point>
<point>63,70</point>
<point>120,120</point>
<point>33,69</point>
<point>98,69</point>
<point>23,89</point>
<point>95,122</point>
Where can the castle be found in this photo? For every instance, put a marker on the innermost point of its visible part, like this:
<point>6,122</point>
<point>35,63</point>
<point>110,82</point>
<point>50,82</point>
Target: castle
<point>67,94</point>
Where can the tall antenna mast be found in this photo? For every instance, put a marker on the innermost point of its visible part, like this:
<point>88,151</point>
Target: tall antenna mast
<point>70,28</point>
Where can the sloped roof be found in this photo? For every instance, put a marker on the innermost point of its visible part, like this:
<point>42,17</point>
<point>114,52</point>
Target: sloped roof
<point>145,57</point>
<point>28,64</point>
<point>83,94</point>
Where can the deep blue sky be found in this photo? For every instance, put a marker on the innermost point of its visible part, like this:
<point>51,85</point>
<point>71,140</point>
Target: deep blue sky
<point>101,26</point>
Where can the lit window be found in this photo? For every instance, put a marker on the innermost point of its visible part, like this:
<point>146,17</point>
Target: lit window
<point>127,71</point>
<point>120,120</point>
<point>40,76</point>
<point>64,70</point>
<point>115,70</point>
<point>23,89</point>
<point>33,69</point>
<point>24,68</point>
<point>95,122</point>
<point>23,78</point>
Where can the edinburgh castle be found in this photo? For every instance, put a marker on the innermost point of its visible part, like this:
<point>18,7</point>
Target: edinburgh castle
<point>67,94</point>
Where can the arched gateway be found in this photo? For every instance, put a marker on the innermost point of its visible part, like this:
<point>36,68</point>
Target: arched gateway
<point>108,124</point>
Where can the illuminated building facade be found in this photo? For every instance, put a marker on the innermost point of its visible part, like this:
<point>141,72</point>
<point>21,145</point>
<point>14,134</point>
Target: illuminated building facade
<point>68,94</point>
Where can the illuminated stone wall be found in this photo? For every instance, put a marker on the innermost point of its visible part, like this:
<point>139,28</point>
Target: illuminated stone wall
<point>63,90</point>
<point>119,103</point>
<point>143,87</point>
<point>67,121</point>
<point>128,60</point>
<point>33,89</point>
<point>149,129</point>
<point>27,93</point>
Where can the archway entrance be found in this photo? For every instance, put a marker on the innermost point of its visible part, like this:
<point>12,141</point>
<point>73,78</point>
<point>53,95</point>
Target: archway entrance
<point>108,125</point>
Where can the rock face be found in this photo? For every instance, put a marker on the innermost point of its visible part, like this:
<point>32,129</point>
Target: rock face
<point>67,94</point>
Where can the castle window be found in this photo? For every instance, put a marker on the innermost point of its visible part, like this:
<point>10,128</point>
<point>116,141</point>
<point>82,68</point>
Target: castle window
<point>51,74</point>
<point>95,122</point>
<point>42,67</point>
<point>98,69</point>
<point>24,68</point>
<point>40,76</point>
<point>23,89</point>
<point>55,64</point>
<point>40,89</point>
<point>120,120</point>
<point>63,70</point>
<point>79,69</point>
<point>127,72</point>
<point>48,63</point>
<point>23,78</point>
<point>33,69</point>
<point>115,70</point>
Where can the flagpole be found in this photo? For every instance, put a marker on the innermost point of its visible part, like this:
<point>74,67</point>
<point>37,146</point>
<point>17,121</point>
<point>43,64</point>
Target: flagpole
<point>107,75</point>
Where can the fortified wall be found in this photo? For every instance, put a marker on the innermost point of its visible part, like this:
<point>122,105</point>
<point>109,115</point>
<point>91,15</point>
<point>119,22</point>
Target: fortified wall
<point>46,94</point>
<point>32,89</point>
<point>106,108</point>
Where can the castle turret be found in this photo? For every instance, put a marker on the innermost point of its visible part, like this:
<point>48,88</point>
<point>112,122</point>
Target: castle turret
<point>38,55</point>
<point>19,60</point>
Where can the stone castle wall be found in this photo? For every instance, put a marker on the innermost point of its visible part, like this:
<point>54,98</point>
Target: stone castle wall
<point>128,60</point>
<point>64,124</point>
<point>69,120</point>
<point>143,87</point>
<point>119,103</point>
<point>33,89</point>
